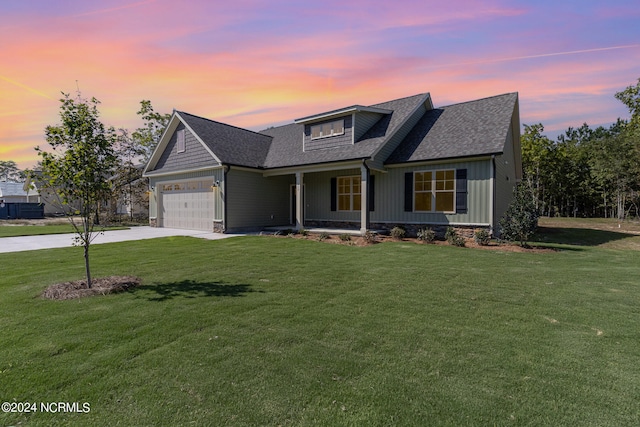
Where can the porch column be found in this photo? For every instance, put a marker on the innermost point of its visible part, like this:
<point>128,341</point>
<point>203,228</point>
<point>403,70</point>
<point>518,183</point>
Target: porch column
<point>299,201</point>
<point>364,198</point>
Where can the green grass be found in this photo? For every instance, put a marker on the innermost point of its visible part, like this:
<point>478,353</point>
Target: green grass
<point>265,331</point>
<point>34,230</point>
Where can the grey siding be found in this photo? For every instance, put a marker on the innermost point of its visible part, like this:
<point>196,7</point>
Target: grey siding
<point>389,196</point>
<point>213,175</point>
<point>506,179</point>
<point>363,122</point>
<point>194,156</point>
<point>318,197</point>
<point>330,141</point>
<point>255,201</point>
<point>397,138</point>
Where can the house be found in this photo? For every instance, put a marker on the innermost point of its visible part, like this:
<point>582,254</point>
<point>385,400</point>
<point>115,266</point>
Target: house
<point>19,200</point>
<point>18,192</point>
<point>401,162</point>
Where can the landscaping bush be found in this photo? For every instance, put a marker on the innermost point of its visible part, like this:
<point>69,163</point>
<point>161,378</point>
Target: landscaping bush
<point>482,237</point>
<point>426,235</point>
<point>323,236</point>
<point>520,220</point>
<point>453,238</point>
<point>304,232</point>
<point>370,237</point>
<point>345,237</point>
<point>398,233</point>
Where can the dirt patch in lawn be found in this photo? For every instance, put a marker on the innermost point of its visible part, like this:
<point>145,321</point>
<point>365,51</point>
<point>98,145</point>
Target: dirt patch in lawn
<point>99,286</point>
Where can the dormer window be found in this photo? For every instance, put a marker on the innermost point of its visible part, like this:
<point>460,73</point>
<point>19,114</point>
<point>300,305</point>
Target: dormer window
<point>324,130</point>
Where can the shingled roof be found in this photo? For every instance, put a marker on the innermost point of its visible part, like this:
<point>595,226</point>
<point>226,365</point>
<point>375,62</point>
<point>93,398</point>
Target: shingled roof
<point>232,145</point>
<point>287,150</point>
<point>467,129</point>
<point>461,130</point>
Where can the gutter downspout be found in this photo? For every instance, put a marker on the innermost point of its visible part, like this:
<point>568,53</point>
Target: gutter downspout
<point>365,218</point>
<point>225,169</point>
<point>492,192</point>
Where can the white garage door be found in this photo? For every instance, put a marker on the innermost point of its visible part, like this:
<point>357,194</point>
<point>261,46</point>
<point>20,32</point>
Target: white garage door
<point>187,205</point>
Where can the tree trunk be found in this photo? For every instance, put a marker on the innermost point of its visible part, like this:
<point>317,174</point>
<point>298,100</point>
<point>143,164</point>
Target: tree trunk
<point>86,264</point>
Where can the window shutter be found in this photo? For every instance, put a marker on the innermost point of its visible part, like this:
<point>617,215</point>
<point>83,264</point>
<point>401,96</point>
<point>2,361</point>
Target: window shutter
<point>372,192</point>
<point>461,191</point>
<point>334,194</point>
<point>408,192</point>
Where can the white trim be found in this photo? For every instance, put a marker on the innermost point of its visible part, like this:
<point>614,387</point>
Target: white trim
<point>324,167</point>
<point>434,190</point>
<point>341,112</point>
<point>154,174</point>
<point>438,162</point>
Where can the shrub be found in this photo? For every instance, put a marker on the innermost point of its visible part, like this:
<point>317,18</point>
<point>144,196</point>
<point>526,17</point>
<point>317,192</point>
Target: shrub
<point>426,235</point>
<point>304,232</point>
<point>370,237</point>
<point>482,237</point>
<point>398,233</point>
<point>520,220</point>
<point>345,237</point>
<point>453,238</point>
<point>323,236</point>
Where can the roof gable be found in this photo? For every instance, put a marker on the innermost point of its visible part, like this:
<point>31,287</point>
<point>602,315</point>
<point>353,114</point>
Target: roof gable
<point>461,130</point>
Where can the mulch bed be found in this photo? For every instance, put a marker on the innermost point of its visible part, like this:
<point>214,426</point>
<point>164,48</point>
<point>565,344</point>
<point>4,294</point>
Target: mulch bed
<point>469,243</point>
<point>99,286</point>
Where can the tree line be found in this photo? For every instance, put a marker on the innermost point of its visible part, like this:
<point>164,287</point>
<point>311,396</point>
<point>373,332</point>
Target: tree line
<point>587,172</point>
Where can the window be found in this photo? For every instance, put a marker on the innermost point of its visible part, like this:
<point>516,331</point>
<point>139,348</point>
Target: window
<point>435,191</point>
<point>349,191</point>
<point>180,141</point>
<point>327,129</point>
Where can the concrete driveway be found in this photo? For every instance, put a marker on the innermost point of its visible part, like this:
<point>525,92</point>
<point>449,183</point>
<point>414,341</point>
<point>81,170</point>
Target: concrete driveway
<point>49,241</point>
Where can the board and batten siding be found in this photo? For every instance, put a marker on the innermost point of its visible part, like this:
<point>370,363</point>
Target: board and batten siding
<point>255,201</point>
<point>389,196</point>
<point>194,156</point>
<point>506,179</point>
<point>213,175</point>
<point>318,197</point>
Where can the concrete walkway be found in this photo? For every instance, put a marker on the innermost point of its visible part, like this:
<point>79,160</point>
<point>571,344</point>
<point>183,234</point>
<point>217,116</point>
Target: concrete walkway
<point>49,241</point>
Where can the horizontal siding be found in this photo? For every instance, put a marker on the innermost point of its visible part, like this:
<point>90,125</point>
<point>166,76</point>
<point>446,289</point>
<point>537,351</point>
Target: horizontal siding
<point>194,156</point>
<point>257,201</point>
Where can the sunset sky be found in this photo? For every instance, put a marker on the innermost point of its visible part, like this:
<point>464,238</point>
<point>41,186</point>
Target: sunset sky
<point>256,64</point>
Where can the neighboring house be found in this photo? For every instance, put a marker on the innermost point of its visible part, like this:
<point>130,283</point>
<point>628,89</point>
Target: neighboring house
<point>401,162</point>
<point>18,192</point>
<point>19,200</point>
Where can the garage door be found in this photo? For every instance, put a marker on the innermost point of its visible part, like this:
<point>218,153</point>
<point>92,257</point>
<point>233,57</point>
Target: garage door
<point>187,205</point>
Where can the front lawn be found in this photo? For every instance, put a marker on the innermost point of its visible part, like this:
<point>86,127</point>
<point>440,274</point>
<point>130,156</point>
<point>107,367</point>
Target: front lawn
<point>265,331</point>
